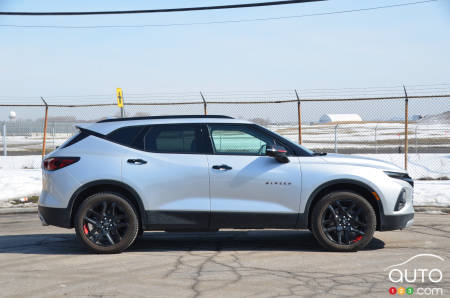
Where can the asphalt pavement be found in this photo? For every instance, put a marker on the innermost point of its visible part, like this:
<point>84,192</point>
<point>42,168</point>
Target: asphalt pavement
<point>38,261</point>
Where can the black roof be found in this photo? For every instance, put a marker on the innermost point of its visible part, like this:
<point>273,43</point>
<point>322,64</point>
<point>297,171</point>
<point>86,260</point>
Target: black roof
<point>164,117</point>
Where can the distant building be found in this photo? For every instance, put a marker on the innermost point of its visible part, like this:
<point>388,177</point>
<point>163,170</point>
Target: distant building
<point>340,118</point>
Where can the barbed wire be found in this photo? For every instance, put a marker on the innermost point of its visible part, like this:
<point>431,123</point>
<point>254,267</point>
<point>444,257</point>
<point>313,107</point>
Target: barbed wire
<point>276,95</point>
<point>162,103</point>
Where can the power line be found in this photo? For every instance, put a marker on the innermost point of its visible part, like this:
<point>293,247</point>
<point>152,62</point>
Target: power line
<point>163,10</point>
<point>218,22</point>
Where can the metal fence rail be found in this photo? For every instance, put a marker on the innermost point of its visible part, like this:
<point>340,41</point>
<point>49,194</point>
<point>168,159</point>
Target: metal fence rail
<point>401,128</point>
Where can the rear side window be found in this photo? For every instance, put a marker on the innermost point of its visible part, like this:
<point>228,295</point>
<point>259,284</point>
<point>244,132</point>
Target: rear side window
<point>130,136</point>
<point>175,139</point>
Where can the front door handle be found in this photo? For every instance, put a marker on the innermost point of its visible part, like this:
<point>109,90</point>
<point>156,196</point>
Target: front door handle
<point>136,161</point>
<point>222,167</point>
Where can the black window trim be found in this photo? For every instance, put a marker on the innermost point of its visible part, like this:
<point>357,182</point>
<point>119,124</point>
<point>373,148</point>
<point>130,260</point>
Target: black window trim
<point>206,139</point>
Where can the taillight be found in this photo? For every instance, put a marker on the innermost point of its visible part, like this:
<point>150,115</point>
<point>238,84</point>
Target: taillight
<point>56,163</point>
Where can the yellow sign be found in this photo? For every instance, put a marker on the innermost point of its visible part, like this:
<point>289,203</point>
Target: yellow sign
<point>119,97</point>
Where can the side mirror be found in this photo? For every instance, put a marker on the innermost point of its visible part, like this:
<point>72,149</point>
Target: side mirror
<point>277,152</point>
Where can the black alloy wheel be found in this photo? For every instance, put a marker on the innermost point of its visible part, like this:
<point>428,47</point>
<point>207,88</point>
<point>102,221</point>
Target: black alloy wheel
<point>343,221</point>
<point>106,223</point>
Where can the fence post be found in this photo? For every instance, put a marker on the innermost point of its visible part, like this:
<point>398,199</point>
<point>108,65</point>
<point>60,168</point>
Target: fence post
<point>406,128</point>
<point>335,138</point>
<point>299,111</point>
<point>45,127</point>
<point>204,104</point>
<point>53,131</point>
<point>417,125</point>
<point>4,139</point>
<point>376,141</point>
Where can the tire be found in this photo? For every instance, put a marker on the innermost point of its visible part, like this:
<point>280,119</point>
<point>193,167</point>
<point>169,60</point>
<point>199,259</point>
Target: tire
<point>110,229</point>
<point>343,221</point>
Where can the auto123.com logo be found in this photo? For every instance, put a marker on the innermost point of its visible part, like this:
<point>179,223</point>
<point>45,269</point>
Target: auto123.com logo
<point>417,276</point>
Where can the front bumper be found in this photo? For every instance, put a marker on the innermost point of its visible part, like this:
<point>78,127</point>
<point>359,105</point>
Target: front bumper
<point>54,216</point>
<point>396,222</point>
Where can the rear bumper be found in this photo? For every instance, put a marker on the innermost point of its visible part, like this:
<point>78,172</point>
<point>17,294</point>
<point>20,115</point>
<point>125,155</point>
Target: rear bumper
<point>54,216</point>
<point>396,222</point>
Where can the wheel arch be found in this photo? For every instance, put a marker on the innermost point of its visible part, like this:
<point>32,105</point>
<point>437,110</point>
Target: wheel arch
<point>344,184</point>
<point>96,186</point>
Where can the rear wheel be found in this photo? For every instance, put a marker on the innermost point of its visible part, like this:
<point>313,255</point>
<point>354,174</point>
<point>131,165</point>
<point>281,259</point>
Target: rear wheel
<point>106,223</point>
<point>343,221</point>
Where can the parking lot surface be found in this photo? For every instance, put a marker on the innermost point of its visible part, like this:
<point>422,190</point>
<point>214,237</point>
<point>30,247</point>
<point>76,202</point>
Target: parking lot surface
<point>48,261</point>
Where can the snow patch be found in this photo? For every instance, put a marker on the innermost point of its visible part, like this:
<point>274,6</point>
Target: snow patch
<point>432,193</point>
<point>15,183</point>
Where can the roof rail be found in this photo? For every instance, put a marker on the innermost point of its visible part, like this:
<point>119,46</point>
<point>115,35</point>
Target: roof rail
<point>164,117</point>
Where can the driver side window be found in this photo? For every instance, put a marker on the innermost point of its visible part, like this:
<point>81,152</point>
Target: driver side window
<point>238,140</point>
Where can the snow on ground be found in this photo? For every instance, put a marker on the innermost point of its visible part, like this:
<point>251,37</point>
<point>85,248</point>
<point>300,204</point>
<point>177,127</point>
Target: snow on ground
<point>376,136</point>
<point>432,193</point>
<point>20,176</point>
<point>420,165</point>
<point>19,183</point>
<point>33,142</point>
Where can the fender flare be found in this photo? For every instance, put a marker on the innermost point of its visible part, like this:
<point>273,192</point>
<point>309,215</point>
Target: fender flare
<point>304,220</point>
<point>105,182</point>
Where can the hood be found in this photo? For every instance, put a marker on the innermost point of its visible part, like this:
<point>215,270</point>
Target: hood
<point>361,161</point>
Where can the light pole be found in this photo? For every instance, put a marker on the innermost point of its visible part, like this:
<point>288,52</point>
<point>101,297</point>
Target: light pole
<point>12,117</point>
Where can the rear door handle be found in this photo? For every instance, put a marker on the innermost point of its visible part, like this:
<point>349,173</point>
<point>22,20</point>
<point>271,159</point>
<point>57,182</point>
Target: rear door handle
<point>222,167</point>
<point>136,161</point>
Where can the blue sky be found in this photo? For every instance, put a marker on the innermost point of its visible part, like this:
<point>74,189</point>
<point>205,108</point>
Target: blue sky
<point>405,45</point>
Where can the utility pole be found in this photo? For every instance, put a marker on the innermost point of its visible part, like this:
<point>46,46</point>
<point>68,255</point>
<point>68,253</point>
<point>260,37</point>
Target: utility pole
<point>406,128</point>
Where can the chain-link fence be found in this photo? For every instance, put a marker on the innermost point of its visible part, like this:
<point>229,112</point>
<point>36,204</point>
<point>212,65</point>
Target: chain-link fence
<point>373,126</point>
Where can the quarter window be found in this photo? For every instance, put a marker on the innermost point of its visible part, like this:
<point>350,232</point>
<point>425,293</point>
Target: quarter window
<point>130,136</point>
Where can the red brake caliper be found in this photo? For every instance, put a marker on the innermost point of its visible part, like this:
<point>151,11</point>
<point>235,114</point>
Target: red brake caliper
<point>357,238</point>
<point>85,229</point>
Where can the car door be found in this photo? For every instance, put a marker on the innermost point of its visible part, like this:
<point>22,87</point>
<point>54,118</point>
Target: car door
<point>249,189</point>
<point>171,175</point>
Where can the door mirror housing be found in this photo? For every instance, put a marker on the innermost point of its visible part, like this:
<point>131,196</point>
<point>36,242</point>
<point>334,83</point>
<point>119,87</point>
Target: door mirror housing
<point>277,152</point>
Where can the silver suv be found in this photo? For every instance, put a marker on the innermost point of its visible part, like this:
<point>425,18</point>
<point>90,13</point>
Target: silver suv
<point>119,177</point>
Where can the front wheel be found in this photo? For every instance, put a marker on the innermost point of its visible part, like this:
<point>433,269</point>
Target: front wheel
<point>343,221</point>
<point>106,223</point>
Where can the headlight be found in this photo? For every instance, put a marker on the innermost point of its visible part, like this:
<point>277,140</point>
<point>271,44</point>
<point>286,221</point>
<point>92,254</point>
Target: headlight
<point>401,176</point>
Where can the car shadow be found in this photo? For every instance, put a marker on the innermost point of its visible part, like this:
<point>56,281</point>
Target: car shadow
<point>253,240</point>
